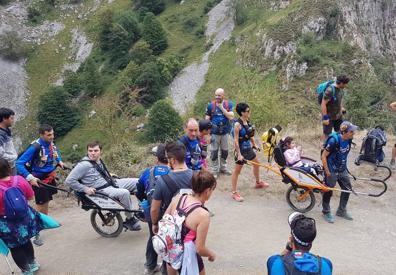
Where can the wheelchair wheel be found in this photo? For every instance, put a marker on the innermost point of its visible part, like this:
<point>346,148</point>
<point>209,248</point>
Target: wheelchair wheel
<point>107,223</point>
<point>300,199</point>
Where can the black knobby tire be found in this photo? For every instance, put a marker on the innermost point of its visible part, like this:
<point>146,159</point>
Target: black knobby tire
<point>114,223</point>
<point>291,198</point>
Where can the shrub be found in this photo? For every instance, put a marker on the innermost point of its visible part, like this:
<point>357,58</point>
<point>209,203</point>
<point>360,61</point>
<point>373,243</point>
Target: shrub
<point>73,83</point>
<point>164,123</point>
<point>141,52</point>
<point>151,81</point>
<point>154,6</point>
<point>154,34</point>
<point>105,33</point>
<point>190,23</point>
<point>240,14</point>
<point>4,2</point>
<point>91,79</point>
<point>55,109</point>
<point>12,46</point>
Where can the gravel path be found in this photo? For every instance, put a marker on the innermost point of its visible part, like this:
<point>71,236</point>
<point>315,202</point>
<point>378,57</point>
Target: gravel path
<point>186,85</point>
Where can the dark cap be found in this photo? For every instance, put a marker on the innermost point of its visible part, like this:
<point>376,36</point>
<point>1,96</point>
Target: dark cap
<point>303,229</point>
<point>347,126</point>
<point>204,124</point>
<point>159,152</point>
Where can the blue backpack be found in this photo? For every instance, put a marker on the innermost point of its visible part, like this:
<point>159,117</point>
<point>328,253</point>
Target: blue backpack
<point>322,87</point>
<point>14,200</point>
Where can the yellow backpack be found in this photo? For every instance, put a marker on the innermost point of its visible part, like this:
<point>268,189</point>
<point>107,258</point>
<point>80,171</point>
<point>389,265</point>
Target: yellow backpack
<point>270,138</point>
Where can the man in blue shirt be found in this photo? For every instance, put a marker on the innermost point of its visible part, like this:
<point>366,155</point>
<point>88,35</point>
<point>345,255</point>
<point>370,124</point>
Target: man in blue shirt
<point>39,162</point>
<point>296,258</point>
<point>220,113</point>
<point>334,160</point>
<point>191,141</point>
<point>146,187</point>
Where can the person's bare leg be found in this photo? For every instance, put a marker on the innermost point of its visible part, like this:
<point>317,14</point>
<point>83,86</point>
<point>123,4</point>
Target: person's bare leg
<point>256,170</point>
<point>235,175</point>
<point>202,272</point>
<point>42,208</point>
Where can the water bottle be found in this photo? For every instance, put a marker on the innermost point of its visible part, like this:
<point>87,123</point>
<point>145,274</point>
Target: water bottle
<point>145,205</point>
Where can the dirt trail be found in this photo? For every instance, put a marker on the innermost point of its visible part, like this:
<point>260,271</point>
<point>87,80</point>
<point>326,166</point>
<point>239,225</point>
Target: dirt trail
<point>243,235</point>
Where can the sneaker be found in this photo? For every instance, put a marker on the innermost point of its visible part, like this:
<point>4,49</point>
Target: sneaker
<point>152,271</point>
<point>38,241</point>
<point>237,197</point>
<point>215,175</point>
<point>35,266</point>
<point>261,184</point>
<point>225,171</point>
<point>328,217</point>
<point>344,215</point>
<point>132,224</point>
<point>392,164</point>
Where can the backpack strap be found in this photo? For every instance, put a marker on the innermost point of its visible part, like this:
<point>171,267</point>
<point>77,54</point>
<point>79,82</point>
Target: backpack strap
<point>170,183</point>
<point>244,137</point>
<point>226,106</point>
<point>103,172</point>
<point>213,106</point>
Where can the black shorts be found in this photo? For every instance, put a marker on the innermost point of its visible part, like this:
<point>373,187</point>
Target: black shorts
<point>43,194</point>
<point>248,153</point>
<point>327,129</point>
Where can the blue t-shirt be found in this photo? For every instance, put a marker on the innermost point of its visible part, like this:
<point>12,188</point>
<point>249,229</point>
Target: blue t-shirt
<point>218,119</point>
<point>304,262</point>
<point>193,152</point>
<point>144,179</point>
<point>337,160</point>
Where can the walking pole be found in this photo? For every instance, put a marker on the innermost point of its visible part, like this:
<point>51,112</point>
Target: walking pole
<point>9,265</point>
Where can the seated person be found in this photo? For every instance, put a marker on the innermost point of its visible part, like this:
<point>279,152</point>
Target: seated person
<point>91,175</point>
<point>296,257</point>
<point>293,155</point>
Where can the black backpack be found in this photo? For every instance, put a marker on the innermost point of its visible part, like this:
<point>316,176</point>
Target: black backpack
<point>290,268</point>
<point>37,150</point>
<point>372,147</point>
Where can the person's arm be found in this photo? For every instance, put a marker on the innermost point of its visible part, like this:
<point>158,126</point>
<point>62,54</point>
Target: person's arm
<point>10,157</point>
<point>25,187</point>
<point>228,114</point>
<point>76,175</point>
<point>237,128</point>
<point>155,214</point>
<point>393,106</point>
<point>325,154</point>
<point>59,159</point>
<point>326,99</point>
<point>200,242</point>
<point>208,113</point>
<point>26,157</point>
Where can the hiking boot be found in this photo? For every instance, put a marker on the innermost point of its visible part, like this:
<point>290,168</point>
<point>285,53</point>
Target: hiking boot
<point>35,266</point>
<point>344,215</point>
<point>38,241</point>
<point>132,224</point>
<point>225,171</point>
<point>392,164</point>
<point>237,197</point>
<point>261,184</point>
<point>328,217</point>
<point>152,271</point>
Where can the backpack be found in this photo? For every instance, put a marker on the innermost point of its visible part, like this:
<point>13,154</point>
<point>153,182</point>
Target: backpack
<point>372,144</point>
<point>38,150</point>
<point>14,201</point>
<point>337,138</point>
<point>321,89</point>
<point>168,242</point>
<point>270,140</point>
<point>290,267</point>
<point>152,182</point>
<point>226,106</point>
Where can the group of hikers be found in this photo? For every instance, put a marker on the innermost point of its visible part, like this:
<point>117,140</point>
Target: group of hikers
<point>181,181</point>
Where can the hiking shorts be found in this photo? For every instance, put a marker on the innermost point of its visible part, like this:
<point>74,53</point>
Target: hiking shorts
<point>248,153</point>
<point>43,194</point>
<point>327,129</point>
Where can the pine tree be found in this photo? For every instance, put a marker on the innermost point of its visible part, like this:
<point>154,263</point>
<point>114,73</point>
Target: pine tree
<point>154,34</point>
<point>93,84</point>
<point>164,123</point>
<point>154,6</point>
<point>56,110</point>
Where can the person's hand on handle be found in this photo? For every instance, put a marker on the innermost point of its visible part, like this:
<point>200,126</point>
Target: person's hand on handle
<point>61,165</point>
<point>90,191</point>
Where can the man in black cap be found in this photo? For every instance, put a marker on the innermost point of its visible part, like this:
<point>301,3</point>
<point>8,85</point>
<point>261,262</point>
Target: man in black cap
<point>146,187</point>
<point>296,258</point>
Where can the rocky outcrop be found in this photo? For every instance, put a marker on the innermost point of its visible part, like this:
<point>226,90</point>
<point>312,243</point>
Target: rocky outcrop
<point>371,25</point>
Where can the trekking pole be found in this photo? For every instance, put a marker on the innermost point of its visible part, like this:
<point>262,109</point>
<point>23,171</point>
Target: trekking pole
<point>53,187</point>
<point>267,166</point>
<point>9,265</point>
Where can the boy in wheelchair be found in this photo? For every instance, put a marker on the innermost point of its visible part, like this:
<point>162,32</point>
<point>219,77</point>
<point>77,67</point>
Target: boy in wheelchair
<point>91,175</point>
<point>291,156</point>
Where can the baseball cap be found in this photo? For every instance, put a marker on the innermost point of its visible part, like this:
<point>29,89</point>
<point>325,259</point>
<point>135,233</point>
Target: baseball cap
<point>347,126</point>
<point>159,152</point>
<point>303,229</point>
